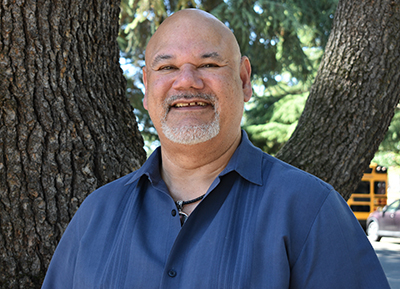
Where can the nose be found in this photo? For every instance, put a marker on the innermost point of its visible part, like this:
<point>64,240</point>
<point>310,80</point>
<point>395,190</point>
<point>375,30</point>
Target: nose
<point>188,77</point>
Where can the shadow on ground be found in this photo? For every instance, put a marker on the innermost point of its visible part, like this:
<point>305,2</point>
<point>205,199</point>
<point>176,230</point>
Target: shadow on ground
<point>388,251</point>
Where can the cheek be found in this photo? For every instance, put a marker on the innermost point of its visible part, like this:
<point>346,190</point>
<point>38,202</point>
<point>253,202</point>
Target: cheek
<point>231,101</point>
<point>155,113</point>
<point>155,94</point>
<point>227,82</point>
<point>162,81</point>
<point>145,105</point>
<point>157,84</point>
<point>228,92</point>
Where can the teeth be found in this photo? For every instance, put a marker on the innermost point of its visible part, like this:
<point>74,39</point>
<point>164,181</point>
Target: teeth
<point>199,103</point>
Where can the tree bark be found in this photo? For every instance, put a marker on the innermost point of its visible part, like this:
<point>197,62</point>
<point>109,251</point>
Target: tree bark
<point>66,126</point>
<point>353,98</point>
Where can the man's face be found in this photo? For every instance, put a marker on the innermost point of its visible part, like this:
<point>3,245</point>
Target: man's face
<point>194,87</point>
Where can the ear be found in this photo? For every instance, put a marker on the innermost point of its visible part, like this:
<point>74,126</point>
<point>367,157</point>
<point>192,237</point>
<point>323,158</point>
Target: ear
<point>245,76</point>
<point>145,87</point>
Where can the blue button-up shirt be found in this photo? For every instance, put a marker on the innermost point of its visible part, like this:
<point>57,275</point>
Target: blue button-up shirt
<point>262,224</point>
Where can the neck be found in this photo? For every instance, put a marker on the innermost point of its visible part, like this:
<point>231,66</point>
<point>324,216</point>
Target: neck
<point>189,170</point>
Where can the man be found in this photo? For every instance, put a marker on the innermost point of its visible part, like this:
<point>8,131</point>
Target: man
<point>208,209</point>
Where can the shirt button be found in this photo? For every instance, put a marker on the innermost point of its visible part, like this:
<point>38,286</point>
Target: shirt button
<point>171,273</point>
<point>173,213</point>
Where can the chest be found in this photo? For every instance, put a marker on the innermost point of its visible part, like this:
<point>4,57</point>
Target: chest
<point>224,244</point>
<point>222,257</point>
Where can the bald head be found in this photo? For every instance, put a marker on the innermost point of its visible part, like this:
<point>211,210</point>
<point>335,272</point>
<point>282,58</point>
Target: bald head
<point>191,26</point>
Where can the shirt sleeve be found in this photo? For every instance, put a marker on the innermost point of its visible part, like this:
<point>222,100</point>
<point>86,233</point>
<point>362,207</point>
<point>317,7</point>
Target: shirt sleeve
<point>337,252</point>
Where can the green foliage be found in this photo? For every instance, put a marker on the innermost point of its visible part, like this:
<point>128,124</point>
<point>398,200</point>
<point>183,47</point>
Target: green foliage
<point>270,32</point>
<point>389,150</point>
<point>284,40</point>
<point>274,122</point>
<point>272,114</point>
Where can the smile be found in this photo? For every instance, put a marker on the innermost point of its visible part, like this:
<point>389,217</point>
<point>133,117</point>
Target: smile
<point>188,104</point>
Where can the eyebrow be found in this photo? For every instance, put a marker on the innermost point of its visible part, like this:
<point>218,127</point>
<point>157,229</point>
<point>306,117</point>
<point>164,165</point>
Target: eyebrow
<point>214,55</point>
<point>160,57</point>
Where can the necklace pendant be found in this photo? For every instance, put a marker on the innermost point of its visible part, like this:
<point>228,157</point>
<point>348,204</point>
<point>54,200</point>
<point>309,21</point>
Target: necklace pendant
<point>179,205</point>
<point>183,217</point>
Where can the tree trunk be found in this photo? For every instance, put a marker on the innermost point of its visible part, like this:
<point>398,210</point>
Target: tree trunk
<point>354,95</point>
<point>66,126</point>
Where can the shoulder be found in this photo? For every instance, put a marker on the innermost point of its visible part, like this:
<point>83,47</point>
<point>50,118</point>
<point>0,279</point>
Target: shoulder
<point>107,201</point>
<point>296,198</point>
<point>112,190</point>
<point>283,176</point>
<point>300,205</point>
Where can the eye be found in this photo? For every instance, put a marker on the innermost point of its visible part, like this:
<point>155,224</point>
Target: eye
<point>209,65</point>
<point>166,67</point>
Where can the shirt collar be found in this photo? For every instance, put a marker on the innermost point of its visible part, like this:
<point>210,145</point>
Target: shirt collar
<point>246,161</point>
<point>151,168</point>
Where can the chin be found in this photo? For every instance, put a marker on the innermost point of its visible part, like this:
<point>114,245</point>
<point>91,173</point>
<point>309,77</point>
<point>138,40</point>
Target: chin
<point>191,135</point>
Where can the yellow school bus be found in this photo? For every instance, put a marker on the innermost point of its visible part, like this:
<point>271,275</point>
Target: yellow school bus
<point>370,194</point>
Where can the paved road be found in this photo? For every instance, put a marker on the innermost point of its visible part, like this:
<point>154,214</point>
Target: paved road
<point>388,251</point>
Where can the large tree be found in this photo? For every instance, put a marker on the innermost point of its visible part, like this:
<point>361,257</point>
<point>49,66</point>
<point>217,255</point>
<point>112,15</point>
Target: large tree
<point>66,126</point>
<point>353,98</point>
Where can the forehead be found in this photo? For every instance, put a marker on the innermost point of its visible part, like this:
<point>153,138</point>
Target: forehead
<point>194,37</point>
